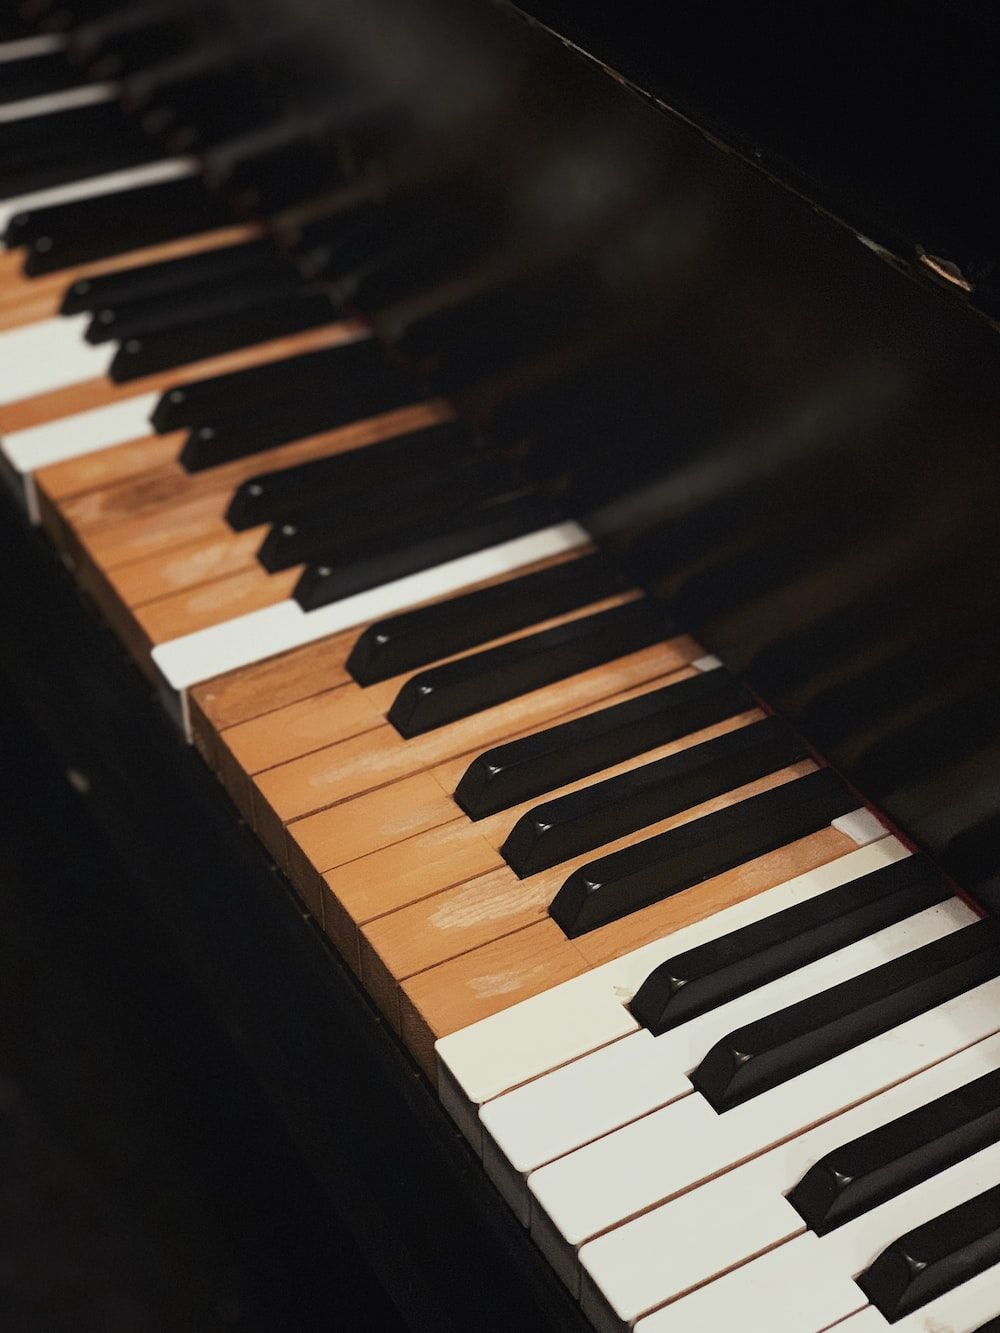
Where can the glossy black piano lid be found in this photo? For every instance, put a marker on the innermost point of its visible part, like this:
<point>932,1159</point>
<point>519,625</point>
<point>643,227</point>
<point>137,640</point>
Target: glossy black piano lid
<point>885,114</point>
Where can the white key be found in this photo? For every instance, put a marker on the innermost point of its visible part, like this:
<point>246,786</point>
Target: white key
<point>50,355</point>
<point>619,1083</point>
<point>657,1257</point>
<point>89,94</point>
<point>26,48</point>
<point>82,433</point>
<point>89,187</point>
<point>790,1290</point>
<point>862,826</point>
<point>808,1284</point>
<point>688,1142</point>
<point>708,663</point>
<point>25,451</point>
<point>964,1310</point>
<point>251,638</point>
<point>518,1044</point>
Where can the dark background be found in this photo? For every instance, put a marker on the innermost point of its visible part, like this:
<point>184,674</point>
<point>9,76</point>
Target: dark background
<point>144,1183</point>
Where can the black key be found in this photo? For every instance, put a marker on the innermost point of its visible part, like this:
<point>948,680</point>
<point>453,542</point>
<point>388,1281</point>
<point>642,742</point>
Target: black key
<point>409,509</point>
<point>164,351</point>
<point>936,1257</point>
<point>338,402</point>
<point>883,1163</point>
<point>92,229</point>
<point>204,98</point>
<point>58,154</point>
<point>274,179</point>
<point>55,134</point>
<point>417,638</point>
<point>363,567</point>
<point>273,496</point>
<point>583,820</point>
<point>224,395</point>
<point>36,76</point>
<point>992,1327</point>
<point>173,275</point>
<point>24,173</point>
<point>374,230</point>
<point>195,305</point>
<point>714,973</point>
<point>116,51</point>
<point>659,867</point>
<point>806,1034</point>
<point>521,769</point>
<point>443,694</point>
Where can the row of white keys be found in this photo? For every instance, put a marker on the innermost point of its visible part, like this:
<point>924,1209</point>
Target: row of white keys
<point>689,1241</point>
<point>808,1284</point>
<point>966,1309</point>
<point>47,104</point>
<point>686,1143</point>
<point>560,1025</point>
<point>617,1084</point>
<point>247,639</point>
<point>89,187</point>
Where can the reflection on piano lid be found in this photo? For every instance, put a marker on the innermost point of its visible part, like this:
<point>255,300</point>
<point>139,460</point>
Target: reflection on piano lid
<point>573,553</point>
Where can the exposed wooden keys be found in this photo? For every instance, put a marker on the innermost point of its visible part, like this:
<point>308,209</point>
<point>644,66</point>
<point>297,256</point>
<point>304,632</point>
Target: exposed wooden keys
<point>417,896</point>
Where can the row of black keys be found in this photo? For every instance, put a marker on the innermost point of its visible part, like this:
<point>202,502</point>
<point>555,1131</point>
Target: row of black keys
<point>181,83</point>
<point>191,93</point>
<point>441,494</point>
<point>862,1174</point>
<point>759,1057</point>
<point>569,826</point>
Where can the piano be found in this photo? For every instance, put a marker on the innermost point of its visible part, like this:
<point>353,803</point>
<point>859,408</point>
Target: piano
<point>502,528</point>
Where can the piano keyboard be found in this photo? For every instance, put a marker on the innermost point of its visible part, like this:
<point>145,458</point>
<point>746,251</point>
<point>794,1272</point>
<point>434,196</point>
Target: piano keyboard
<point>723,1043</point>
